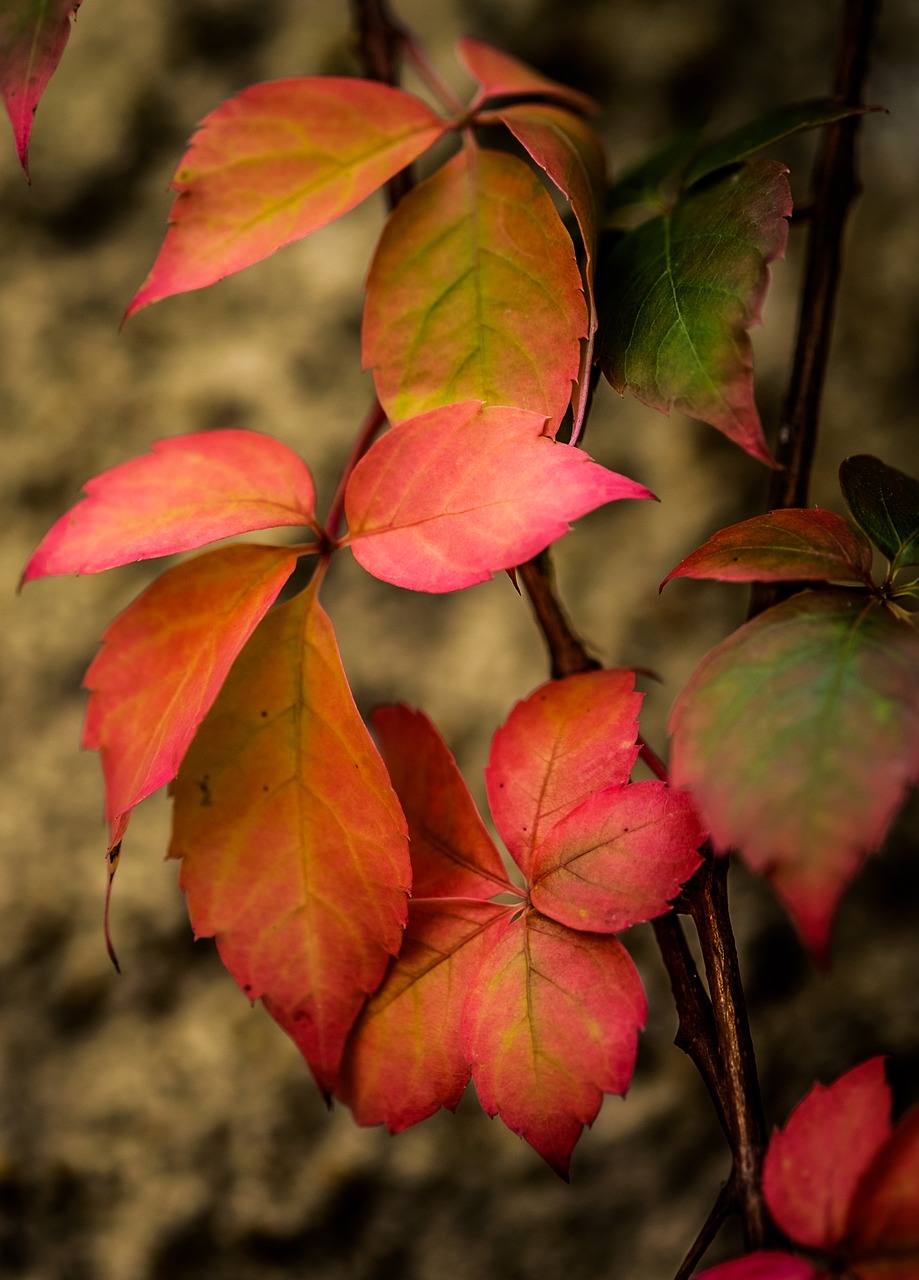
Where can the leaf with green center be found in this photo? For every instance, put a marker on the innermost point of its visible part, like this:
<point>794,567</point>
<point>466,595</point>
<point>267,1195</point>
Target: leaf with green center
<point>474,294</point>
<point>551,1024</point>
<point>618,859</point>
<point>750,138</point>
<point>276,162</point>
<point>164,659</point>
<point>798,736</point>
<point>568,739</point>
<point>293,844</point>
<point>678,294</point>
<point>501,76</point>
<point>788,545</point>
<point>446,499</point>
<point>885,503</point>
<point>190,490</point>
<point>33,36</point>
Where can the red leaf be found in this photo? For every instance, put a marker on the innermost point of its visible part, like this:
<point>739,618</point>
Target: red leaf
<point>500,75</point>
<point>474,293</point>
<point>766,1265</point>
<point>451,497</point>
<point>32,40</point>
<point>293,844</point>
<point>618,859</point>
<point>452,853</point>
<point>813,1166</point>
<point>164,659</point>
<point>405,1057</point>
<point>884,1223</point>
<point>551,1024</point>
<point>568,739</point>
<point>783,546</point>
<point>276,162</point>
<point>188,491</point>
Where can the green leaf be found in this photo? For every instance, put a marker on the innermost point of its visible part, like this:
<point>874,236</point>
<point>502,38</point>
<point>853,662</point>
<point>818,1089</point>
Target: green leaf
<point>750,138</point>
<point>679,293</point>
<point>644,183</point>
<point>885,502</point>
<point>798,736</point>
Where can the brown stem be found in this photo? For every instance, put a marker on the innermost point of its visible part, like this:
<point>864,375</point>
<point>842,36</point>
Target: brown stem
<point>835,187</point>
<point>567,653</point>
<point>720,1210</point>
<point>740,1094</point>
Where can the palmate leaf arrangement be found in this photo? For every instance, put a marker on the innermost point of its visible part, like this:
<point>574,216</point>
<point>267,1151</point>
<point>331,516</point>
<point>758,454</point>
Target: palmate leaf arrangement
<point>347,877</point>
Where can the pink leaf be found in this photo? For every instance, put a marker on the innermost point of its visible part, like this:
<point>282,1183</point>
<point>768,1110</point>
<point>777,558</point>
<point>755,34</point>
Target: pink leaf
<point>452,853</point>
<point>447,499</point>
<point>766,1265</point>
<point>884,1223</point>
<point>568,739</point>
<point>276,162</point>
<point>618,859</point>
<point>813,1165</point>
<point>551,1024</point>
<point>188,491</point>
<point>500,75</point>
<point>164,659</point>
<point>32,39</point>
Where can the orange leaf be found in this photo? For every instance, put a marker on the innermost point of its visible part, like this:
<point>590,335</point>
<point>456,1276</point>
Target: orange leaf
<point>293,843</point>
<point>500,75</point>
<point>164,659</point>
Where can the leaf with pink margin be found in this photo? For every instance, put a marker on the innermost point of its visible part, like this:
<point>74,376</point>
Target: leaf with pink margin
<point>558,746</point>
<point>765,1265</point>
<point>884,1223</point>
<point>163,662</point>
<point>814,1165</point>
<point>276,162</point>
<point>405,1057</point>
<point>188,491</point>
<point>451,497</point>
<point>551,1024</point>
<point>453,855</point>
<point>33,36</point>
<point>618,859</point>
<point>499,76</point>
<point>474,293</point>
<point>788,545</point>
<point>798,736</point>
<point>680,292</point>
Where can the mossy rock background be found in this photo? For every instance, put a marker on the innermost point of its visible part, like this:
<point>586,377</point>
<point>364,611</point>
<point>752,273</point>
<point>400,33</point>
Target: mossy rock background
<point>154,1125</point>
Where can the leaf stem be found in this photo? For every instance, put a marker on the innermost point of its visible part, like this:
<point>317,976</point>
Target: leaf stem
<point>567,652</point>
<point>372,424</point>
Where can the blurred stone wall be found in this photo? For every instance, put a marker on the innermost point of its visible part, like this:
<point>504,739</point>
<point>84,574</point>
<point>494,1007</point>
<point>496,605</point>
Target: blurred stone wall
<point>153,1126</point>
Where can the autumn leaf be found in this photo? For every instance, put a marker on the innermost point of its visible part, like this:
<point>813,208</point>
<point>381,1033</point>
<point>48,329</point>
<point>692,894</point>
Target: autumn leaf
<point>164,659</point>
<point>885,503</point>
<point>276,162</point>
<point>499,76</point>
<point>474,294</point>
<point>768,1264</point>
<point>293,846</point>
<point>787,545</point>
<point>679,293</point>
<point>33,36</point>
<point>798,736</point>
<point>190,490</point>
<point>446,499</point>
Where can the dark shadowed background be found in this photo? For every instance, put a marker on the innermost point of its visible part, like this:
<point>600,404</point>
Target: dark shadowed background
<point>153,1126</point>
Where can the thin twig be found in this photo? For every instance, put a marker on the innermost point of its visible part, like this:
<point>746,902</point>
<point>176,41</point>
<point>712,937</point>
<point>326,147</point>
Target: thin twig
<point>567,653</point>
<point>722,1207</point>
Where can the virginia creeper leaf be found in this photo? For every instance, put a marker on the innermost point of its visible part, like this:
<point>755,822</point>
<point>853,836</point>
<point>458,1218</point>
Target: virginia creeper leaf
<point>884,1223</point>
<point>499,76</point>
<point>618,859</point>
<point>750,138</point>
<point>276,162</point>
<point>448,498</point>
<point>814,1165</point>
<point>33,36</point>
<point>551,1024</point>
<point>474,293</point>
<point>680,292</point>
<point>768,1264</point>
<point>568,739</point>
<point>405,1058</point>
<point>293,843</point>
<point>885,502</point>
<point>645,182</point>
<point>188,491</point>
<point>164,659</point>
<point>452,853</point>
<point>798,735</point>
<point>785,545</point>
